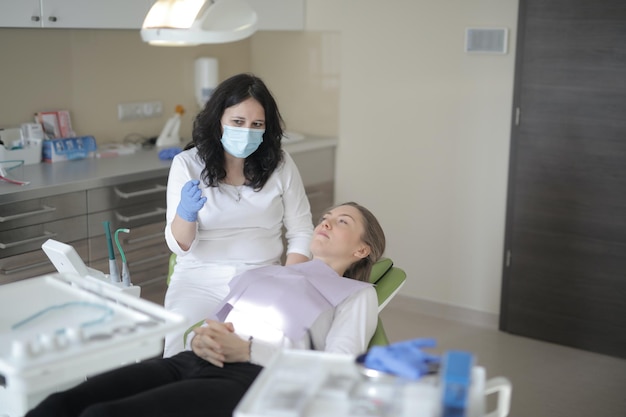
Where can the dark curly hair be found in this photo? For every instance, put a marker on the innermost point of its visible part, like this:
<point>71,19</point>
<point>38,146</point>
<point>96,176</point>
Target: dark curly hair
<point>207,131</point>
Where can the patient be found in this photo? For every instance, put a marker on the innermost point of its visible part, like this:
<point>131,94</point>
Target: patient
<point>227,355</point>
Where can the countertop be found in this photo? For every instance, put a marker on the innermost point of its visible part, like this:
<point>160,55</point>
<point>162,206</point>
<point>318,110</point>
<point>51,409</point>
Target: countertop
<point>63,177</point>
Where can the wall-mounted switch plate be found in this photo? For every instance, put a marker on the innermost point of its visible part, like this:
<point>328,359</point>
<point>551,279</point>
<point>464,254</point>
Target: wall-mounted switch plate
<point>139,110</point>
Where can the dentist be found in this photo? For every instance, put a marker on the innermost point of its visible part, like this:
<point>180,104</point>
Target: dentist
<point>229,196</point>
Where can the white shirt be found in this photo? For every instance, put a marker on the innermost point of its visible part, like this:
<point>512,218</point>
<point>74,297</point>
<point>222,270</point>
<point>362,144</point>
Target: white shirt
<point>246,231</point>
<point>346,328</point>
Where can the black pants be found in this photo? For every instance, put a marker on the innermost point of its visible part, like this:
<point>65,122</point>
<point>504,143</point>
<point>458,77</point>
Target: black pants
<point>184,385</point>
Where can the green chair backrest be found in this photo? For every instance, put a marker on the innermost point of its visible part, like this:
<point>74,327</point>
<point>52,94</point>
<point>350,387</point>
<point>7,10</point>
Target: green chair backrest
<point>387,280</point>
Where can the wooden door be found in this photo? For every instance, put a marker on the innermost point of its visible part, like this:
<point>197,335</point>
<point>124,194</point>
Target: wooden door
<point>564,278</point>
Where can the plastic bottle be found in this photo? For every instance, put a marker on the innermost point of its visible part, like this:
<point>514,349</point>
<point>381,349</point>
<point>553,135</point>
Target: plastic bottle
<point>170,135</point>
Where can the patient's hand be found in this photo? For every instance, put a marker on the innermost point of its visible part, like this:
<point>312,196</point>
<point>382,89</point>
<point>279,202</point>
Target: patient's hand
<point>218,343</point>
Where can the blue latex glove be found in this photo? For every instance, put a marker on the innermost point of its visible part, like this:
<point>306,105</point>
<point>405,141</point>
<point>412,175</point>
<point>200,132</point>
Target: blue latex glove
<point>191,201</point>
<point>404,359</point>
<point>169,153</point>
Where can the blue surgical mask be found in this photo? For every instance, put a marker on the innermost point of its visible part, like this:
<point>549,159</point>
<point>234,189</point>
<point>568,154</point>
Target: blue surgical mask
<point>241,142</point>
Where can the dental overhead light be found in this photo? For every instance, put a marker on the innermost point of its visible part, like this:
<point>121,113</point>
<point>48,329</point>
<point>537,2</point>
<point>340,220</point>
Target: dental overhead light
<point>195,22</point>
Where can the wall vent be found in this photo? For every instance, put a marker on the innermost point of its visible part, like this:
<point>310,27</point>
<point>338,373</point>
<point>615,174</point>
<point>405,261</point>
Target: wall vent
<point>486,40</point>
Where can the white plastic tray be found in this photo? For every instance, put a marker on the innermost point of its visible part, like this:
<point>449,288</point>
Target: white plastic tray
<point>316,384</point>
<point>56,348</point>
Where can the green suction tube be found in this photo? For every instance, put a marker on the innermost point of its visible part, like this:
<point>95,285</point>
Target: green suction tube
<point>125,271</point>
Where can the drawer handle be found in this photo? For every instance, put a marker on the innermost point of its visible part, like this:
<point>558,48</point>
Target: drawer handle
<point>128,219</point>
<point>151,259</point>
<point>44,209</point>
<point>156,189</point>
<point>46,235</point>
<point>129,241</point>
<point>23,268</point>
<point>152,281</point>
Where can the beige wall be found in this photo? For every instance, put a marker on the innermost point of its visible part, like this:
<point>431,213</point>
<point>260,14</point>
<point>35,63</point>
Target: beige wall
<point>90,71</point>
<point>424,140</point>
<point>424,128</point>
<point>302,70</point>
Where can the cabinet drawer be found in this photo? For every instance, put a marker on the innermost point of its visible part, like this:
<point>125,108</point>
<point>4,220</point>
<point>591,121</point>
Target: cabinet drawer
<point>29,238</point>
<point>321,197</point>
<point>123,195</point>
<point>316,166</point>
<point>154,291</point>
<point>150,235</point>
<point>32,264</point>
<point>40,210</point>
<point>128,217</point>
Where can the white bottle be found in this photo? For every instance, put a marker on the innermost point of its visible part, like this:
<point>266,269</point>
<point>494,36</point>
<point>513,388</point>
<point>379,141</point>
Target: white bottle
<point>170,135</point>
<point>206,79</point>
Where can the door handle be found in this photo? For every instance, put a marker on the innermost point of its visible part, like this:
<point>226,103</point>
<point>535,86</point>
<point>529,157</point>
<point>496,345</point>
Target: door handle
<point>130,241</point>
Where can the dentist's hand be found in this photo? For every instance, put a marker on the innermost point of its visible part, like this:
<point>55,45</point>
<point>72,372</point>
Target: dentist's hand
<point>191,201</point>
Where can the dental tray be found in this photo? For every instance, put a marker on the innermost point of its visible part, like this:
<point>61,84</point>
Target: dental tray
<point>298,383</point>
<point>59,328</point>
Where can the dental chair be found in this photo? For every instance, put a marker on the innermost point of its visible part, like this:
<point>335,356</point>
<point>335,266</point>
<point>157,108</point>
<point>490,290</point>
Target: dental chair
<point>387,280</point>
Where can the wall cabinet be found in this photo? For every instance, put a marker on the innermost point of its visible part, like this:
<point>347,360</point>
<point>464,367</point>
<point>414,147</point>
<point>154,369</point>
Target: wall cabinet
<point>78,14</point>
<point>128,14</point>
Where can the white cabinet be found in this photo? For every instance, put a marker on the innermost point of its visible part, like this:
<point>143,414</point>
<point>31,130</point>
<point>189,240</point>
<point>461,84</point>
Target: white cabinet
<point>79,14</point>
<point>128,14</point>
<point>20,13</point>
<point>279,14</point>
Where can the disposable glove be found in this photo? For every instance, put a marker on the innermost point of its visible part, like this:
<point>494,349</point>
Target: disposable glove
<point>404,359</point>
<point>191,201</point>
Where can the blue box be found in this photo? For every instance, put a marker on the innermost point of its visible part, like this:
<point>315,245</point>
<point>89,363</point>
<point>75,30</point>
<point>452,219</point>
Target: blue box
<point>67,149</point>
<point>455,380</point>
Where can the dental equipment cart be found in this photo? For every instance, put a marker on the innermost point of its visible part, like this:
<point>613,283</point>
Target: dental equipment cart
<point>300,383</point>
<point>57,329</point>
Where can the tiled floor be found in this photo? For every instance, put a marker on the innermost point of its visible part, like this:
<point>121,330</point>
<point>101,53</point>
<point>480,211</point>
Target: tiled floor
<point>548,380</point>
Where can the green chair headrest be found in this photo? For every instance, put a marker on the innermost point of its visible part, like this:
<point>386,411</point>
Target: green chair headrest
<point>380,268</point>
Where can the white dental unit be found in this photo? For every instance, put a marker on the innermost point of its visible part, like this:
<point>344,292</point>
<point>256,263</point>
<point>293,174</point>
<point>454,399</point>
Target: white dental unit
<point>57,329</point>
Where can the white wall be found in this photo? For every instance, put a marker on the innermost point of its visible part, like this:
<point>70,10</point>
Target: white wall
<point>424,140</point>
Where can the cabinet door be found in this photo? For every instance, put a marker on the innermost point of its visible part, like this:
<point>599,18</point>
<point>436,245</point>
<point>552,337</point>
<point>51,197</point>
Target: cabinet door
<point>96,14</point>
<point>279,14</point>
<point>20,13</point>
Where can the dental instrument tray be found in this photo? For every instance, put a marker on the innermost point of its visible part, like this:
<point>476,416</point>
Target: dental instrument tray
<point>304,383</point>
<point>57,329</point>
